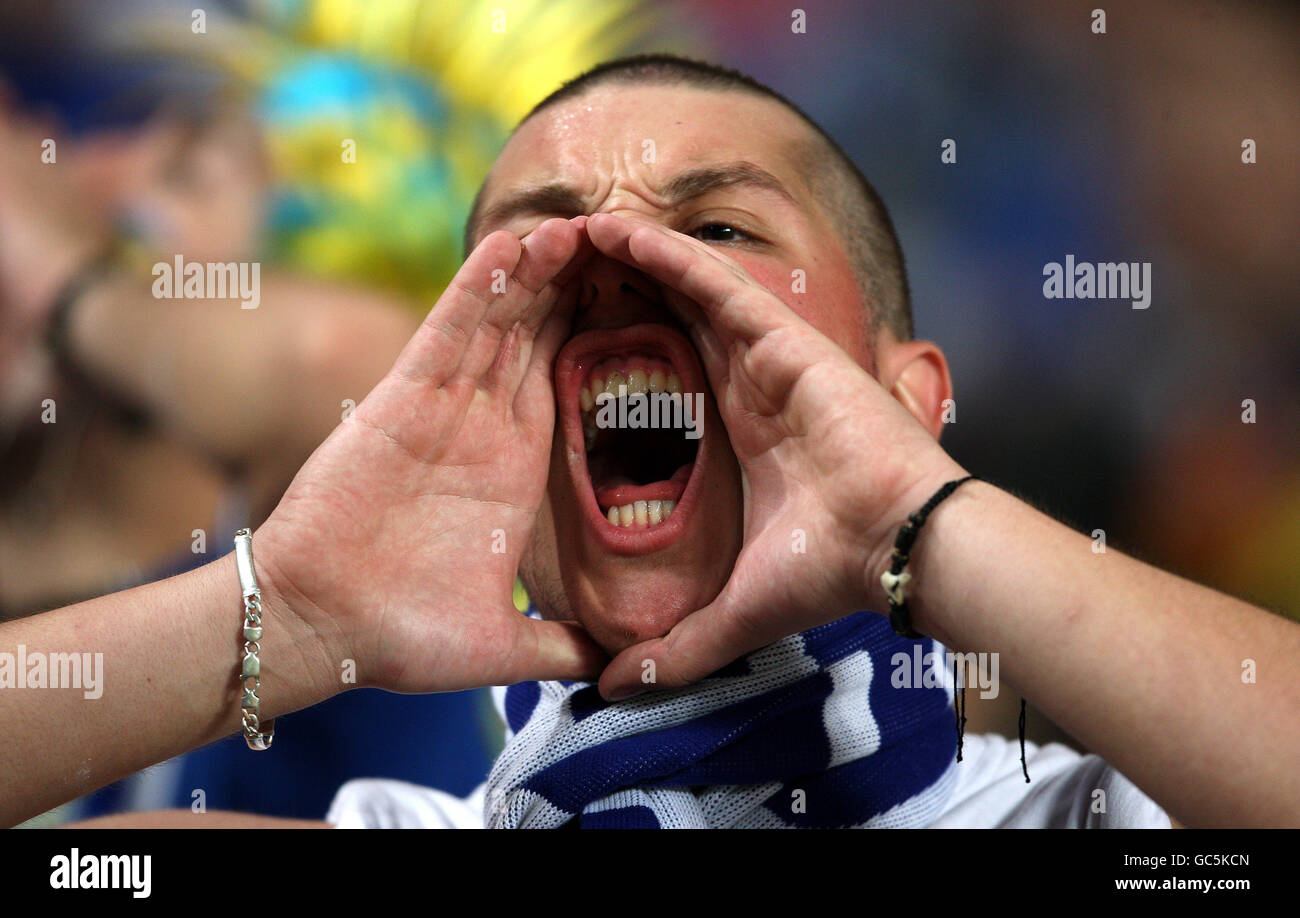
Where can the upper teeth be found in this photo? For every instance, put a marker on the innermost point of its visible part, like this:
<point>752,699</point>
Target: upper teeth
<point>638,381</point>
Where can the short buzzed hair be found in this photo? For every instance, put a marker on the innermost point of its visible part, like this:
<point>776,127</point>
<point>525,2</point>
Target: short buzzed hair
<point>868,232</point>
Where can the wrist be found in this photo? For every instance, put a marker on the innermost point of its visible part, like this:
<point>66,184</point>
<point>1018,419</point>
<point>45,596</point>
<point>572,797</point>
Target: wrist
<point>943,577</point>
<point>911,501</point>
<point>300,644</point>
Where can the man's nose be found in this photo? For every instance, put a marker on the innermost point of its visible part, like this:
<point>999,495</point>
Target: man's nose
<point>615,294</point>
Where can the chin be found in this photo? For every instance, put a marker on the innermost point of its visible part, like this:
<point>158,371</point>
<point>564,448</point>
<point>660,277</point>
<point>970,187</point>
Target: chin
<point>625,608</point>
<point>645,523</point>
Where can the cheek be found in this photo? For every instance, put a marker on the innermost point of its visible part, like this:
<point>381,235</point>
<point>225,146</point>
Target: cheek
<point>830,302</point>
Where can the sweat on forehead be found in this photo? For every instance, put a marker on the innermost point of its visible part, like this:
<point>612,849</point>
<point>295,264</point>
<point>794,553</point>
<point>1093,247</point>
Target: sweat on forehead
<point>772,128</point>
<point>699,141</point>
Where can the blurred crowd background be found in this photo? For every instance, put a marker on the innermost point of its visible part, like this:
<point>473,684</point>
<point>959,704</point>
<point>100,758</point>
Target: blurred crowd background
<point>229,144</point>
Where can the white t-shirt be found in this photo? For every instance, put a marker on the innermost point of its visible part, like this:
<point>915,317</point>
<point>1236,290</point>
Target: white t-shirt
<point>990,793</point>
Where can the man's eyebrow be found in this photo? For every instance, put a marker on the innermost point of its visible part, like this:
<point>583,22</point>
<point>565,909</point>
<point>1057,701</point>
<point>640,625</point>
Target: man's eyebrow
<point>555,198</point>
<point>696,183</point>
<point>559,198</point>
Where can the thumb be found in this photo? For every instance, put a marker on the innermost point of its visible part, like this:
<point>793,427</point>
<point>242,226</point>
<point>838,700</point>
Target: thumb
<point>546,651</point>
<point>700,644</point>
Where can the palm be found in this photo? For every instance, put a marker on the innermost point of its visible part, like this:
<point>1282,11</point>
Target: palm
<point>828,456</point>
<point>400,538</point>
<point>807,426</point>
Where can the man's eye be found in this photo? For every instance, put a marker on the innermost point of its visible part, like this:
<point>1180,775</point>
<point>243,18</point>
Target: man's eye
<point>718,232</point>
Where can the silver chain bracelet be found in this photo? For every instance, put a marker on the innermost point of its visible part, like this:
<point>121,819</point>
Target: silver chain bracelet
<point>251,668</point>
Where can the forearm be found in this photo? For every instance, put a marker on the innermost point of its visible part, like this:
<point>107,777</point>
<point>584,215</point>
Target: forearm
<point>167,684</point>
<point>244,385</point>
<point>1143,667</point>
<point>184,819</point>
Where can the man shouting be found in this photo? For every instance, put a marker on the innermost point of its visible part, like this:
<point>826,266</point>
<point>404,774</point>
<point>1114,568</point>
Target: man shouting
<point>662,227</point>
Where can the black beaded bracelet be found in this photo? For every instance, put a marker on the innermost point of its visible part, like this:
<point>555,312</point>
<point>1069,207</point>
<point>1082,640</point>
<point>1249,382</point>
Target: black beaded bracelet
<point>895,579</point>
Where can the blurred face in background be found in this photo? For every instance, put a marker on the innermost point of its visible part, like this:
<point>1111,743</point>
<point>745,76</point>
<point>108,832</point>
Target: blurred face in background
<point>170,185</point>
<point>724,168</point>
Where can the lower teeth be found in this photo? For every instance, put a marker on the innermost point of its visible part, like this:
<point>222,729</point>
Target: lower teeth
<point>641,514</point>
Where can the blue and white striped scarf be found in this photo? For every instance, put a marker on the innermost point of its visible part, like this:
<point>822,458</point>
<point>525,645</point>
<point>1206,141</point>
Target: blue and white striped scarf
<point>807,732</point>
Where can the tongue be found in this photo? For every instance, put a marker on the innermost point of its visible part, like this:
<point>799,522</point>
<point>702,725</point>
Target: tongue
<point>617,490</point>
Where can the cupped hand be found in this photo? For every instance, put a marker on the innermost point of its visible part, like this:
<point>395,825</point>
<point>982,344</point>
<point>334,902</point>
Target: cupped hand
<point>398,542</point>
<point>832,462</point>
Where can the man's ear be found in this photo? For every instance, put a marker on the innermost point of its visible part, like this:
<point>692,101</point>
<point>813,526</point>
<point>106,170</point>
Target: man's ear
<point>916,373</point>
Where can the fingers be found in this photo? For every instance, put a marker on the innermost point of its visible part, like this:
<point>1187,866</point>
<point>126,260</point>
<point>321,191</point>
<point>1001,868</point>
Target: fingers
<point>553,254</point>
<point>549,320</point>
<point>500,353</point>
<point>713,354</point>
<point>581,257</point>
<point>555,325</point>
<point>731,300</point>
<point>552,650</point>
<point>438,347</point>
<point>503,284</point>
<point>702,643</point>
<point>548,250</point>
<point>534,400</point>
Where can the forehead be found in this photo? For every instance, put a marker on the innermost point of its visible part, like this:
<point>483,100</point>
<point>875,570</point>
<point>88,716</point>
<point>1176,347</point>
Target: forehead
<point>644,130</point>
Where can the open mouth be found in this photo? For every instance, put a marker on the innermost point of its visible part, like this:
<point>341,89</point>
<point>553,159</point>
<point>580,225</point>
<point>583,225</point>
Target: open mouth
<point>631,405</point>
